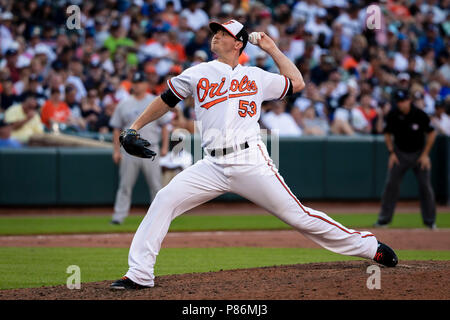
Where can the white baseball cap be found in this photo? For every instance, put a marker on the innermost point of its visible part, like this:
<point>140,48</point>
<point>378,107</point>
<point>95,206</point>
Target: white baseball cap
<point>233,27</point>
<point>404,76</point>
<point>7,16</point>
<point>201,54</point>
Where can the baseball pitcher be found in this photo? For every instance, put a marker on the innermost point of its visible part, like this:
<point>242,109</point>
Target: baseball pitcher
<point>228,99</point>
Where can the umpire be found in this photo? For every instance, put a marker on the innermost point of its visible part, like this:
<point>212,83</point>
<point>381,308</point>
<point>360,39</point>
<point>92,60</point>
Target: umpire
<point>129,166</point>
<point>413,139</point>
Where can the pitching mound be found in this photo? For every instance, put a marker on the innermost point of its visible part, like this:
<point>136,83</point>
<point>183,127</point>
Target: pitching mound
<point>337,280</point>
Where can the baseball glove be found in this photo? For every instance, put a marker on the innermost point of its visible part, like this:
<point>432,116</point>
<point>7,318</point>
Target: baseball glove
<point>135,145</point>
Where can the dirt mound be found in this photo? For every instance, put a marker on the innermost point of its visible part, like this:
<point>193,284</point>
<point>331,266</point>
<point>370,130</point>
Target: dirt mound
<point>337,280</point>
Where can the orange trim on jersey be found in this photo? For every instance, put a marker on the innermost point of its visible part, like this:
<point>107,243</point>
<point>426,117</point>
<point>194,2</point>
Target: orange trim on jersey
<point>234,95</point>
<point>214,102</point>
<point>175,91</point>
<point>286,86</point>
<point>300,205</point>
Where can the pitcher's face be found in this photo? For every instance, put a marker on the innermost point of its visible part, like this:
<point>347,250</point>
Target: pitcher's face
<point>223,42</point>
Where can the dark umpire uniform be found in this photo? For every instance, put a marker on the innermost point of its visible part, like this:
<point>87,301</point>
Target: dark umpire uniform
<point>413,139</point>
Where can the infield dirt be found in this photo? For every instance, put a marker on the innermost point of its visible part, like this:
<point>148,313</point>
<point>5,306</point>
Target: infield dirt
<point>336,280</point>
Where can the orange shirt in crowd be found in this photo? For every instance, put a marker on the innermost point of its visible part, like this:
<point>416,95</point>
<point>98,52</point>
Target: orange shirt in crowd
<point>243,58</point>
<point>178,49</point>
<point>349,62</point>
<point>171,18</point>
<point>58,113</point>
<point>398,9</point>
<point>369,114</point>
<point>126,84</point>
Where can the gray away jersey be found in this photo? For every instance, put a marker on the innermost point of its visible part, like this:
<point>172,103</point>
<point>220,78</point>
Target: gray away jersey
<point>129,109</point>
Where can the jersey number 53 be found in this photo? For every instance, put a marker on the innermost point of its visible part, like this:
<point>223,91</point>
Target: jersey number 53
<point>247,108</point>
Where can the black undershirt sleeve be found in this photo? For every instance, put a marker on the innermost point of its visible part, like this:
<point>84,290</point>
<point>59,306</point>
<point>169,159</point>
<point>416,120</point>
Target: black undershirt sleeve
<point>170,98</point>
<point>289,92</point>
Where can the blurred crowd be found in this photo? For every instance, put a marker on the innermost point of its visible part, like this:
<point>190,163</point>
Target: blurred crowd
<point>53,77</point>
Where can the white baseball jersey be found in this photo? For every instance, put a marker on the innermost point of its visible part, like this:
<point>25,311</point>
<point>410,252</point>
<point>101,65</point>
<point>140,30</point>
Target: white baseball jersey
<point>228,101</point>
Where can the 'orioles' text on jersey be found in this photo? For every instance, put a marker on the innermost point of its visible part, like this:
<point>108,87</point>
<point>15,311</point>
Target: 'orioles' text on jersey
<point>228,101</point>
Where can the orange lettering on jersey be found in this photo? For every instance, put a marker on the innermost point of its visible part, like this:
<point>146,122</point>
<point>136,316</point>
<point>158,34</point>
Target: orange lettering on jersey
<point>234,95</point>
<point>245,87</point>
<point>215,89</point>
<point>243,84</point>
<point>204,89</point>
<point>213,102</point>
<point>203,84</point>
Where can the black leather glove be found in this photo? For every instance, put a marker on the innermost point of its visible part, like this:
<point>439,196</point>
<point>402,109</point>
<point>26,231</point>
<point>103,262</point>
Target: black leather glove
<point>135,145</point>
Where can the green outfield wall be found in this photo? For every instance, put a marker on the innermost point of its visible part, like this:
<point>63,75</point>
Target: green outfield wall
<point>331,168</point>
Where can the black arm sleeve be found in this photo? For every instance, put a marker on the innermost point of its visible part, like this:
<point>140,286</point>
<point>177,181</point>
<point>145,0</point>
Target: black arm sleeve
<point>289,92</point>
<point>170,98</point>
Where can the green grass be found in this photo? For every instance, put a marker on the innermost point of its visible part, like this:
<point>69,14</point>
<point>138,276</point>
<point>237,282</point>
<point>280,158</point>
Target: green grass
<point>35,267</point>
<point>100,223</point>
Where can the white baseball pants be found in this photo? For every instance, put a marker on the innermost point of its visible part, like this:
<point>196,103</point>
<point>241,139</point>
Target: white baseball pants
<point>258,182</point>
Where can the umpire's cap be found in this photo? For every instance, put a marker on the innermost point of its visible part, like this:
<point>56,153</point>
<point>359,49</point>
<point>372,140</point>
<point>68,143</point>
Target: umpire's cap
<point>401,95</point>
<point>234,28</point>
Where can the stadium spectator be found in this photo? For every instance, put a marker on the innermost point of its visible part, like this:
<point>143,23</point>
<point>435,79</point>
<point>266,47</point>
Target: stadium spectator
<point>184,32</point>
<point>312,124</point>
<point>432,97</point>
<point>117,38</point>
<point>318,26</point>
<point>431,39</point>
<point>24,119</point>
<point>328,40</point>
<point>11,57</point>
<point>170,15</point>
<point>90,108</point>
<point>321,72</point>
<point>348,119</point>
<point>199,42</point>
<point>370,111</point>
<point>6,35</point>
<point>311,98</point>
<point>34,86</point>
<point>195,16</point>
<point>441,120</point>
<point>75,107</point>
<point>332,90</point>
<point>5,136</point>
<point>280,121</point>
<point>8,96</point>
<point>56,111</point>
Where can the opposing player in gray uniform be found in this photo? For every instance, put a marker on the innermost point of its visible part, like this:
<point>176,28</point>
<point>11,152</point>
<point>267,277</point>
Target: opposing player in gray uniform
<point>129,166</point>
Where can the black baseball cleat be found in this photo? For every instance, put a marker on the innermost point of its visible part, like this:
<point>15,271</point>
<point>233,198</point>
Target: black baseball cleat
<point>385,255</point>
<point>126,284</point>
